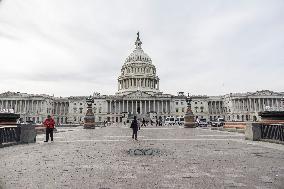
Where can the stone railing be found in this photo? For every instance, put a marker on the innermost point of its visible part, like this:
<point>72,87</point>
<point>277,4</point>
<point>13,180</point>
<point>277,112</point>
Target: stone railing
<point>15,134</point>
<point>264,131</point>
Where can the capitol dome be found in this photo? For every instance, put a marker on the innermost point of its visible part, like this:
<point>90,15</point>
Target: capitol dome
<point>138,72</point>
<point>138,55</point>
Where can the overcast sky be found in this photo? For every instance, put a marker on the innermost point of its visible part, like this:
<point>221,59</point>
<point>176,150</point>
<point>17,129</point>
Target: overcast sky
<point>209,47</point>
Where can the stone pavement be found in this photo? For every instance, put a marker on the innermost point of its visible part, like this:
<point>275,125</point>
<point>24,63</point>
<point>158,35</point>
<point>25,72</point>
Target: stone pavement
<point>106,158</point>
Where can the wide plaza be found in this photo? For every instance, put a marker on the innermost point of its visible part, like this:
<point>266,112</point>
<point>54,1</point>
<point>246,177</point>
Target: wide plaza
<point>163,157</point>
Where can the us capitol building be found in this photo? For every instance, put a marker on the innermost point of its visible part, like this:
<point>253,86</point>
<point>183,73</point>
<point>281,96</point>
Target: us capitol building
<point>139,94</point>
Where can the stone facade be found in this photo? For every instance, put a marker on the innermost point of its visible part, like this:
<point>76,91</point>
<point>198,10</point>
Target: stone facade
<point>245,106</point>
<point>35,107</point>
<point>138,90</point>
<point>236,106</point>
<point>139,94</point>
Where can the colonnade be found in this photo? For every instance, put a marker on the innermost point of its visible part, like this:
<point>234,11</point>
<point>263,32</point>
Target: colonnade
<point>255,104</point>
<point>215,107</point>
<point>36,110</point>
<point>23,106</point>
<point>61,108</point>
<point>138,106</point>
<point>138,82</point>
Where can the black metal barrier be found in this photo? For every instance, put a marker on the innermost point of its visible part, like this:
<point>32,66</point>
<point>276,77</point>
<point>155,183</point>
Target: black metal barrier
<point>10,133</point>
<point>272,131</point>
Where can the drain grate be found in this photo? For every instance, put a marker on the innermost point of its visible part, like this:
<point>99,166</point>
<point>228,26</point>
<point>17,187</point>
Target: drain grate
<point>141,152</point>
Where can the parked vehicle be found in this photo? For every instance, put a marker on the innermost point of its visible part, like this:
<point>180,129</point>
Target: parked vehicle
<point>170,121</point>
<point>202,122</point>
<point>218,123</point>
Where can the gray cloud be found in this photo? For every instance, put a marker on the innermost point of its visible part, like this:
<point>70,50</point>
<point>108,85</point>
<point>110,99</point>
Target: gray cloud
<point>70,47</point>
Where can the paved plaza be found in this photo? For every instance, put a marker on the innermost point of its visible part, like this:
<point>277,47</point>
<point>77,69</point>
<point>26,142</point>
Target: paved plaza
<point>163,157</point>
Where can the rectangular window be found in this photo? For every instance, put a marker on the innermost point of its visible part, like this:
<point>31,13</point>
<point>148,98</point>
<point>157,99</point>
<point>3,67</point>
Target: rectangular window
<point>176,109</point>
<point>182,109</point>
<point>176,103</point>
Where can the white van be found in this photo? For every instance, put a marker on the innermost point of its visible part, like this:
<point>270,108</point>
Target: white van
<point>170,121</point>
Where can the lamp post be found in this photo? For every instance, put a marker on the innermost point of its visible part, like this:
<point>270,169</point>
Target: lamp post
<point>89,119</point>
<point>189,117</point>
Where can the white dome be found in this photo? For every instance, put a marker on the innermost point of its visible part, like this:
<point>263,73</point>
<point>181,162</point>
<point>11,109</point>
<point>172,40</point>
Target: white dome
<point>138,54</point>
<point>138,73</point>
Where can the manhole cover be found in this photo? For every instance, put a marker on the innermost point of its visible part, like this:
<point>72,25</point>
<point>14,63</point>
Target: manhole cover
<point>141,152</point>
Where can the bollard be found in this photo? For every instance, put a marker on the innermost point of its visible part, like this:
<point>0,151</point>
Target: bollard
<point>28,133</point>
<point>252,131</point>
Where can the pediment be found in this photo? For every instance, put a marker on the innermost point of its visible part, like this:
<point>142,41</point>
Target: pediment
<point>8,94</point>
<point>266,93</point>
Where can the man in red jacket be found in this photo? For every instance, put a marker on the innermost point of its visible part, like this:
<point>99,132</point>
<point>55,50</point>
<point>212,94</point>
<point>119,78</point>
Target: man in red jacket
<point>49,124</point>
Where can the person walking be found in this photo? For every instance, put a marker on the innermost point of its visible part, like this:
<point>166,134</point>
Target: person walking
<point>49,124</point>
<point>143,122</point>
<point>134,126</point>
<point>157,122</point>
<point>151,121</point>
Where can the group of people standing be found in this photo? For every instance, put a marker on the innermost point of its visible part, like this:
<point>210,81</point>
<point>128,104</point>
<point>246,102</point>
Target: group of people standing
<point>145,123</point>
<point>49,123</point>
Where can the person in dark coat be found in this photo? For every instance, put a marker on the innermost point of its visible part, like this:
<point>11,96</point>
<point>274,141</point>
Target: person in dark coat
<point>134,126</point>
<point>143,122</point>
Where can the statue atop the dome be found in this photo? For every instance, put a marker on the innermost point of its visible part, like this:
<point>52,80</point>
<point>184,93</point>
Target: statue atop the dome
<point>138,39</point>
<point>138,43</point>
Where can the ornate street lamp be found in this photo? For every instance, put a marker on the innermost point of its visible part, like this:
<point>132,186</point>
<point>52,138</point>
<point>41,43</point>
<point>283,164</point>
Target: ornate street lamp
<point>89,119</point>
<point>189,117</point>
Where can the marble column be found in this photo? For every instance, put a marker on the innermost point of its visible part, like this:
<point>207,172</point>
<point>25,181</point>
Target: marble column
<point>166,106</point>
<point>26,106</point>
<point>119,107</point>
<point>20,108</point>
<point>258,109</point>
<point>136,105</point>
<point>140,107</point>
